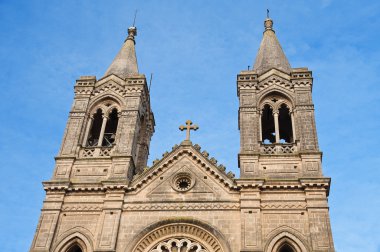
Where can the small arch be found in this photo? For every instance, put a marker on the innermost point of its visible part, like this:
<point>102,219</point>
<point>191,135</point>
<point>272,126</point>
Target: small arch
<point>75,248</point>
<point>286,248</point>
<point>285,124</point>
<point>267,125</point>
<point>285,241</point>
<point>75,242</point>
<point>94,134</point>
<point>114,98</point>
<point>111,127</point>
<point>275,91</point>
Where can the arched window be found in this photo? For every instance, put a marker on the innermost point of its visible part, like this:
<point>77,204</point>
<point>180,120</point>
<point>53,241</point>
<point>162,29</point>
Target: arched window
<point>102,126</point>
<point>276,121</point>
<point>286,248</point>
<point>179,245</point>
<point>96,120</point>
<point>285,124</point>
<point>75,248</point>
<point>267,125</point>
<point>111,127</point>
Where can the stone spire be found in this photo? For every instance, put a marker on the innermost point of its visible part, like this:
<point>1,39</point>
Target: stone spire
<point>125,62</point>
<point>270,54</point>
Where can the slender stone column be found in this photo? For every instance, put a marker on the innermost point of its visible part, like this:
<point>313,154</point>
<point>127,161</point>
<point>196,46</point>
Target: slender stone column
<point>276,127</point>
<point>101,136</point>
<point>293,126</point>
<point>89,124</point>
<point>260,128</point>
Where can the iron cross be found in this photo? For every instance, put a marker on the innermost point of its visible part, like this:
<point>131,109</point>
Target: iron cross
<point>188,127</point>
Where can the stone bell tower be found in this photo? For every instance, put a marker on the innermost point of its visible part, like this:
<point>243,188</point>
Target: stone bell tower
<point>106,143</point>
<point>279,155</point>
<point>111,119</point>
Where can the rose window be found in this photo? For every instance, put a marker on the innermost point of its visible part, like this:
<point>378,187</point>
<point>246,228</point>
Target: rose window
<point>179,245</point>
<point>182,182</point>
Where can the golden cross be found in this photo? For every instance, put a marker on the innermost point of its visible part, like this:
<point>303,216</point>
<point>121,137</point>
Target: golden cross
<point>188,127</point>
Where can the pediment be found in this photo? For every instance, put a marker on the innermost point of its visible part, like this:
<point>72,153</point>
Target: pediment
<point>112,77</point>
<point>185,164</point>
<point>275,78</point>
<point>114,85</point>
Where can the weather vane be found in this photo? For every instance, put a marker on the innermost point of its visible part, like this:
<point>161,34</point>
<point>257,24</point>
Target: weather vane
<point>134,19</point>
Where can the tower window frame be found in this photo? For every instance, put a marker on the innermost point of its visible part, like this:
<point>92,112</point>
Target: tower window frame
<point>276,120</point>
<point>102,125</point>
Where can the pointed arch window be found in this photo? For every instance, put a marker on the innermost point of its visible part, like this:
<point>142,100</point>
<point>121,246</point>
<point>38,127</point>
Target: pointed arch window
<point>267,124</point>
<point>276,122</point>
<point>75,248</point>
<point>101,128</point>
<point>111,127</point>
<point>286,248</point>
<point>285,124</point>
<point>95,123</point>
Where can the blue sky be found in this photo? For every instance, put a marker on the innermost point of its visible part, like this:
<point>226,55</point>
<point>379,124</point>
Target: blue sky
<point>195,49</point>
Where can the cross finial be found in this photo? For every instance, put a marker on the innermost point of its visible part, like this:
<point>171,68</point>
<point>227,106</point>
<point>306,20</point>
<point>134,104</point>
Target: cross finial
<point>189,126</point>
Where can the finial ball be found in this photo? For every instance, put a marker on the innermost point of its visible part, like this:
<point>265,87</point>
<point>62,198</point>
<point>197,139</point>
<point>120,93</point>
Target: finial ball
<point>132,31</point>
<point>268,24</point>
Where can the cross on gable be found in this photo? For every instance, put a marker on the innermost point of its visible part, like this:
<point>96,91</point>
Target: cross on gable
<point>189,126</point>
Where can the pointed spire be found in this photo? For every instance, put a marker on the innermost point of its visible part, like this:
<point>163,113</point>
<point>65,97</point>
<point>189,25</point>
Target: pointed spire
<point>270,53</point>
<point>125,62</point>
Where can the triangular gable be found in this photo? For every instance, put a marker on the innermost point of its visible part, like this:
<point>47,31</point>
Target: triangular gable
<point>207,181</point>
<point>275,78</point>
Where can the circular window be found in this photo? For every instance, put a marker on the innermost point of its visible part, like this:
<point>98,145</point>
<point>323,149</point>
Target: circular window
<point>182,182</point>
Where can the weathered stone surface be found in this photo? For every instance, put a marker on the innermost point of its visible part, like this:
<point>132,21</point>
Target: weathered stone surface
<point>105,198</point>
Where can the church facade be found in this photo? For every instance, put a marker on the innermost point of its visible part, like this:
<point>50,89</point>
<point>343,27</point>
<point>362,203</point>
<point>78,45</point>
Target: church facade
<point>103,197</point>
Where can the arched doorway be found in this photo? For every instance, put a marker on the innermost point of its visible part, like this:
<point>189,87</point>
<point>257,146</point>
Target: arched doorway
<point>179,236</point>
<point>75,248</point>
<point>286,248</point>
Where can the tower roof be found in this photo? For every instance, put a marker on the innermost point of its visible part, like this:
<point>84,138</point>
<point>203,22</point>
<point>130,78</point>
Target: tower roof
<point>125,62</point>
<point>270,53</point>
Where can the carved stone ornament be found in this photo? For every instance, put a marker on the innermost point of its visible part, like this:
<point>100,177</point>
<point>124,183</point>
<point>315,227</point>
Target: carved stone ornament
<point>182,182</point>
<point>178,244</point>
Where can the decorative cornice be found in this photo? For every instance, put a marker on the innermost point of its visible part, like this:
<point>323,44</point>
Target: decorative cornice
<point>159,165</point>
<point>136,81</point>
<point>182,206</point>
<point>129,112</point>
<point>304,107</point>
<point>82,207</point>
<point>90,187</point>
<point>77,114</point>
<point>283,205</point>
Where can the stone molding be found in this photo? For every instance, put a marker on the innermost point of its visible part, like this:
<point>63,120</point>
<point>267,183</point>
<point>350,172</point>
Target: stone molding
<point>181,206</point>
<point>77,114</point>
<point>280,205</point>
<point>82,207</point>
